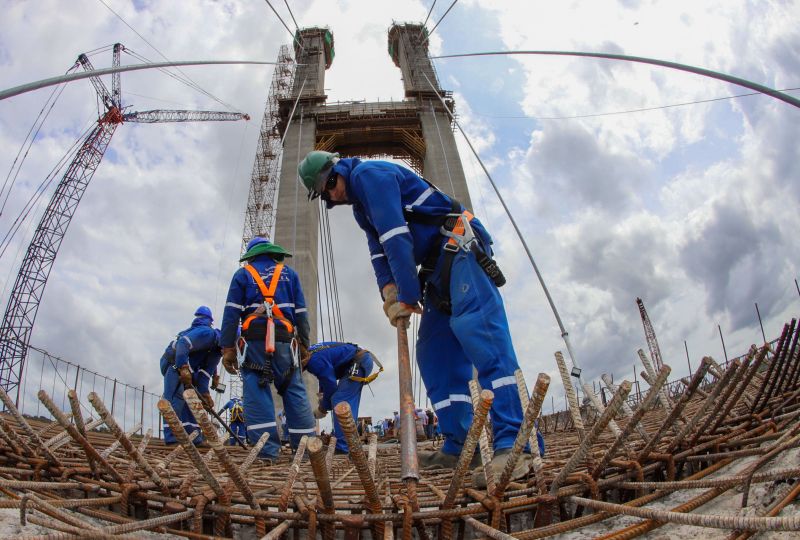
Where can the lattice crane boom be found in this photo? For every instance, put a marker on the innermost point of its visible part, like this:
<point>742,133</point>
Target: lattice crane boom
<point>24,299</point>
<point>650,335</point>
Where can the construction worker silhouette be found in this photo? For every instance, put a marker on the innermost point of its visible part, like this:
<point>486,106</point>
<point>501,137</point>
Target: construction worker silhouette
<point>342,370</point>
<point>265,296</point>
<point>190,360</point>
<point>236,419</point>
<point>409,223</point>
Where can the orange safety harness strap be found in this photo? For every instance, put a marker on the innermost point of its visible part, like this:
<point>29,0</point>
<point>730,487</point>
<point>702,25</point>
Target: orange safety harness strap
<point>269,296</point>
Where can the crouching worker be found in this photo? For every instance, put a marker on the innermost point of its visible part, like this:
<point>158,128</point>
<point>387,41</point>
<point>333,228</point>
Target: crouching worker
<point>236,419</point>
<point>266,297</point>
<point>190,361</point>
<point>342,369</point>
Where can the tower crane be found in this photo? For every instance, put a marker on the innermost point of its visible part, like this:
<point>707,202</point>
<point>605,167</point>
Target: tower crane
<point>23,302</point>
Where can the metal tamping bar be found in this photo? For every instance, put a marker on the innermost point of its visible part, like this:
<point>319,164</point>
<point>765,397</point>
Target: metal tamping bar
<point>483,440</point>
<point>522,390</point>
<point>468,449</point>
<point>359,459</point>
<point>190,449</point>
<point>199,412</point>
<point>88,449</point>
<point>572,399</point>
<point>409,463</point>
<point>26,427</point>
<point>697,378</point>
<point>644,406</point>
<point>586,444</point>
<point>626,409</point>
<point>294,469</point>
<point>133,452</point>
<point>531,414</point>
<point>320,468</point>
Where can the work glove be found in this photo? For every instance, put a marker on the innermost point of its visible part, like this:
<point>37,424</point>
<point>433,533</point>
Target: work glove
<point>304,354</point>
<point>320,413</point>
<point>208,400</point>
<point>229,360</point>
<point>395,310</point>
<point>185,375</point>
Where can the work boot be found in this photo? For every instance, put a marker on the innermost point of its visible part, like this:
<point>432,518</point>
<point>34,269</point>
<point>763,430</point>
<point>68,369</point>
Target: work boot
<point>499,461</point>
<point>431,460</point>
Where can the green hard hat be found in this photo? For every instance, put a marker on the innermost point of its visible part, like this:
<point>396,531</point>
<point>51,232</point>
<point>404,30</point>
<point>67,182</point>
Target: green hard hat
<point>260,245</point>
<point>315,169</point>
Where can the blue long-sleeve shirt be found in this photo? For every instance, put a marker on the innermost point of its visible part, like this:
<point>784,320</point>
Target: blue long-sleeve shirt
<point>379,192</point>
<point>329,362</point>
<point>194,342</point>
<point>244,297</point>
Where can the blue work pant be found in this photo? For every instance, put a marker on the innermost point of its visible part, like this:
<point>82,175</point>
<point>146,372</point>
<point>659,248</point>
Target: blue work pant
<point>259,408</point>
<point>349,391</point>
<point>241,431</point>
<point>476,334</point>
<point>173,392</point>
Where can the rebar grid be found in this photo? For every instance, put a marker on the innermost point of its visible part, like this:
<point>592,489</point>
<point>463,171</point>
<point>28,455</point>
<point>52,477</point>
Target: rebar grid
<point>196,489</point>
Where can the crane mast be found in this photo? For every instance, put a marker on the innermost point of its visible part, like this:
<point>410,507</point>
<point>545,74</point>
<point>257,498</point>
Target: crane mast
<point>26,295</point>
<point>650,335</point>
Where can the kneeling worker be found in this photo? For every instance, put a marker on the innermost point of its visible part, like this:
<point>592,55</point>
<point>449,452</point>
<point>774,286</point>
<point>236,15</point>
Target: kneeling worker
<point>342,369</point>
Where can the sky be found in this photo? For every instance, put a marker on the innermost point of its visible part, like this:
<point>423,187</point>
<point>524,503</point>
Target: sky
<point>690,204</point>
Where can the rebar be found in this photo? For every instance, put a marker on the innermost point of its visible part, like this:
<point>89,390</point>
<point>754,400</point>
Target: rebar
<point>522,390</point>
<point>572,399</point>
<point>27,428</point>
<point>483,440</point>
<point>322,478</point>
<point>626,409</point>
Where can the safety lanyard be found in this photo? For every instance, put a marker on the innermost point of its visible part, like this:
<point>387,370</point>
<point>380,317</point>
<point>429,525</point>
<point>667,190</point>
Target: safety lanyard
<point>357,362</point>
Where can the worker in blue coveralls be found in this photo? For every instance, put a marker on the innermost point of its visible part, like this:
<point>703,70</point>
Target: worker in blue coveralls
<point>236,419</point>
<point>266,297</point>
<point>342,370</point>
<point>410,223</point>
<point>190,360</point>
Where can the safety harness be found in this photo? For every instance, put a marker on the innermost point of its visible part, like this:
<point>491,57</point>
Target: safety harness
<point>456,227</point>
<point>268,331</point>
<point>237,413</point>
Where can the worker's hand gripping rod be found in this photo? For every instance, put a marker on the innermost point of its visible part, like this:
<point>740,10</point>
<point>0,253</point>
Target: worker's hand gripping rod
<point>409,466</point>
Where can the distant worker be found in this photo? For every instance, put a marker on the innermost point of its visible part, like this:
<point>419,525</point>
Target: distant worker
<point>342,370</point>
<point>429,424</point>
<point>190,360</point>
<point>266,297</point>
<point>408,223</point>
<point>236,419</point>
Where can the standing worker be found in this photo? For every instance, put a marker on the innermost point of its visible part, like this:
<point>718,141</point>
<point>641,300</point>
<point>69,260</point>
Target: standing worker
<point>236,419</point>
<point>266,297</point>
<point>342,370</point>
<point>410,223</point>
<point>190,361</point>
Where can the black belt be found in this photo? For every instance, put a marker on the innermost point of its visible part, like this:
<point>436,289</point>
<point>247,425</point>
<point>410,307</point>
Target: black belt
<point>258,330</point>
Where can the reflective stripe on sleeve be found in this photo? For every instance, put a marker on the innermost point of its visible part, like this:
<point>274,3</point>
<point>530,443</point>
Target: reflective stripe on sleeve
<point>301,310</point>
<point>287,304</point>
<point>237,306</point>
<point>393,232</point>
<point>204,372</point>
<point>421,199</point>
<point>503,381</point>
<point>377,256</point>
<point>189,341</point>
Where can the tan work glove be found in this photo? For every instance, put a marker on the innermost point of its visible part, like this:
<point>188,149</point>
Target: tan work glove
<point>208,400</point>
<point>395,310</point>
<point>320,413</point>
<point>305,356</point>
<point>229,360</point>
<point>185,374</point>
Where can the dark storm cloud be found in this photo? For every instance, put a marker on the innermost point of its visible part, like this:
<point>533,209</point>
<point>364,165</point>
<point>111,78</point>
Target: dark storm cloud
<point>735,260</point>
<point>569,161</point>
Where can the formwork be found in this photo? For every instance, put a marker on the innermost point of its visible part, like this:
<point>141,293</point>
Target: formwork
<point>83,477</point>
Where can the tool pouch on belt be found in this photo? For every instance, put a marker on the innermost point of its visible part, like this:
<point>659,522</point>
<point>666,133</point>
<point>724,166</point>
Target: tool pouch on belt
<point>265,375</point>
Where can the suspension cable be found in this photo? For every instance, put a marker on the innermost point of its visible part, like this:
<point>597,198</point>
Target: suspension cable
<point>564,333</point>
<point>438,23</point>
<point>426,18</point>
<point>297,28</point>
<point>295,38</point>
<point>337,304</point>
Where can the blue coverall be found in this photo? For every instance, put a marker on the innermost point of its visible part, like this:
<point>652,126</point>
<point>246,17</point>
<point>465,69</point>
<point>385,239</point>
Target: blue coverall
<point>244,297</point>
<point>331,363</point>
<point>236,420</point>
<point>198,346</point>
<point>448,346</point>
